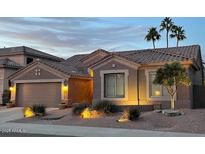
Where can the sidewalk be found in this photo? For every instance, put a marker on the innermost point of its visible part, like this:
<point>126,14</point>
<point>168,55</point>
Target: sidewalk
<point>60,130</point>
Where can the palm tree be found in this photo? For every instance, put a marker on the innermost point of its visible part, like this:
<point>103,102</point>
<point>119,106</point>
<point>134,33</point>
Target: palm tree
<point>179,33</point>
<point>152,35</point>
<point>166,24</point>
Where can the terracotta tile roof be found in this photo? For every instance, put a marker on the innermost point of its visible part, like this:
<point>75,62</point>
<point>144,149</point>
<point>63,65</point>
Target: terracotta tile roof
<point>75,60</point>
<point>9,63</point>
<point>146,56</point>
<point>65,68</point>
<point>28,51</point>
<point>183,53</point>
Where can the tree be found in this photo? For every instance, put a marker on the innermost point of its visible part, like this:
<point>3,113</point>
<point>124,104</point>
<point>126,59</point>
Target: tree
<point>166,24</point>
<point>171,76</point>
<point>152,35</point>
<point>179,33</point>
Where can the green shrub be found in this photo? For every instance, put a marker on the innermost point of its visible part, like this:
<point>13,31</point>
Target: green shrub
<point>106,107</point>
<point>6,97</point>
<point>39,109</point>
<point>133,114</point>
<point>78,109</point>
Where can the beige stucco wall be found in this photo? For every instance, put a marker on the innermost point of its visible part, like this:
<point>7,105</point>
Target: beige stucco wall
<point>132,82</point>
<point>4,83</point>
<point>184,95</point>
<point>20,59</point>
<point>31,74</point>
<point>184,98</point>
<point>1,83</point>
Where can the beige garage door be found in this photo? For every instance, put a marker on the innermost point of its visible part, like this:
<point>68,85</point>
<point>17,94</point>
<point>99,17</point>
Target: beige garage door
<point>48,94</point>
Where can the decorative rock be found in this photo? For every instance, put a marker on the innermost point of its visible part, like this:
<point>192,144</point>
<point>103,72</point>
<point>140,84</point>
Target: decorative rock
<point>124,117</point>
<point>52,117</point>
<point>171,113</point>
<point>158,111</point>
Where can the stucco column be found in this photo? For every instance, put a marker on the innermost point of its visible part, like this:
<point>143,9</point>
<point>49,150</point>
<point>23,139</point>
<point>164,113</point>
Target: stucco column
<point>13,93</point>
<point>64,92</point>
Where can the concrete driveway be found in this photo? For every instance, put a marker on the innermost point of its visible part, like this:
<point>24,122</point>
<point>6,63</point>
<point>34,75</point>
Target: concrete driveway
<point>9,114</point>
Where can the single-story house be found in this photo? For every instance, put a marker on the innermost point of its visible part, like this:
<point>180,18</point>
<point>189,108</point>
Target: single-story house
<point>123,77</point>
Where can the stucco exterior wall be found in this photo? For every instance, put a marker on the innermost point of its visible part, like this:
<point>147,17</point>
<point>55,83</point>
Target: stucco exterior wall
<point>7,73</point>
<point>132,82</point>
<point>1,83</point>
<point>4,83</point>
<point>20,59</point>
<point>80,90</point>
<point>31,74</point>
<point>184,98</point>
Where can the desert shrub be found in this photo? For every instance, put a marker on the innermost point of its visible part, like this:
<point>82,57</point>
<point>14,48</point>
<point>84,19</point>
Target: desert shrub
<point>78,109</point>
<point>133,114</point>
<point>39,109</point>
<point>6,97</point>
<point>106,107</point>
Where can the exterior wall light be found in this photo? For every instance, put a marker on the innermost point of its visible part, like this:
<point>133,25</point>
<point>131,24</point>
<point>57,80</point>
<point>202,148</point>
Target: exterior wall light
<point>91,72</point>
<point>11,88</point>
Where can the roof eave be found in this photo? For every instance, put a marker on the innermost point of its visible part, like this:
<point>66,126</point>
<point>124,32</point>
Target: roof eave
<point>187,62</point>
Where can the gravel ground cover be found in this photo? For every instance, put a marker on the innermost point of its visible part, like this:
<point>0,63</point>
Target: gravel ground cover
<point>193,121</point>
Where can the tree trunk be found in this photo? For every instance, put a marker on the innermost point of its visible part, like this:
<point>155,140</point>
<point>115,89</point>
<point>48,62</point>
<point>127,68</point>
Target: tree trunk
<point>167,39</point>
<point>153,44</point>
<point>172,103</point>
<point>177,42</point>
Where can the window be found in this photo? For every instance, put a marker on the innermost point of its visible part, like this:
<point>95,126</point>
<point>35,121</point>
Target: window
<point>114,85</point>
<point>29,60</point>
<point>155,90</point>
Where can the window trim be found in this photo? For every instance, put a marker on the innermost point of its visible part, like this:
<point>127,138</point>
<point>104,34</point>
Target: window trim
<point>126,74</point>
<point>153,98</point>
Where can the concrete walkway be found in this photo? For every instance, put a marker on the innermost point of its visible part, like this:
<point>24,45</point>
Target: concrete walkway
<point>60,130</point>
<point>90,131</point>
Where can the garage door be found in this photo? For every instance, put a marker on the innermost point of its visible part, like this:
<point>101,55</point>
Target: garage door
<point>48,94</point>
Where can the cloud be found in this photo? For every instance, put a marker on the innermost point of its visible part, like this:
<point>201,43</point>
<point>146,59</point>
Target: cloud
<point>69,36</point>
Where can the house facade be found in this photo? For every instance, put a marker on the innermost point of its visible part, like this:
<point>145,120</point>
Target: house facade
<point>14,58</point>
<point>124,78</point>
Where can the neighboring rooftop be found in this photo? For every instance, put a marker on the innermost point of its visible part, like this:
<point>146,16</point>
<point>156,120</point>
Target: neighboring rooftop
<point>9,63</point>
<point>28,51</point>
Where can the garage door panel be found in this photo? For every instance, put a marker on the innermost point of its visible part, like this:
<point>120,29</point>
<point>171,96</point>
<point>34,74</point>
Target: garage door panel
<point>48,94</point>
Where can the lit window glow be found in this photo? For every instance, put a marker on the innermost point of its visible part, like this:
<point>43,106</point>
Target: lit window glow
<point>157,93</point>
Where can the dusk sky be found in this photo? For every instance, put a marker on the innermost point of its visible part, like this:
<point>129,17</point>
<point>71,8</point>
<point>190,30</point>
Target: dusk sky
<point>65,37</point>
